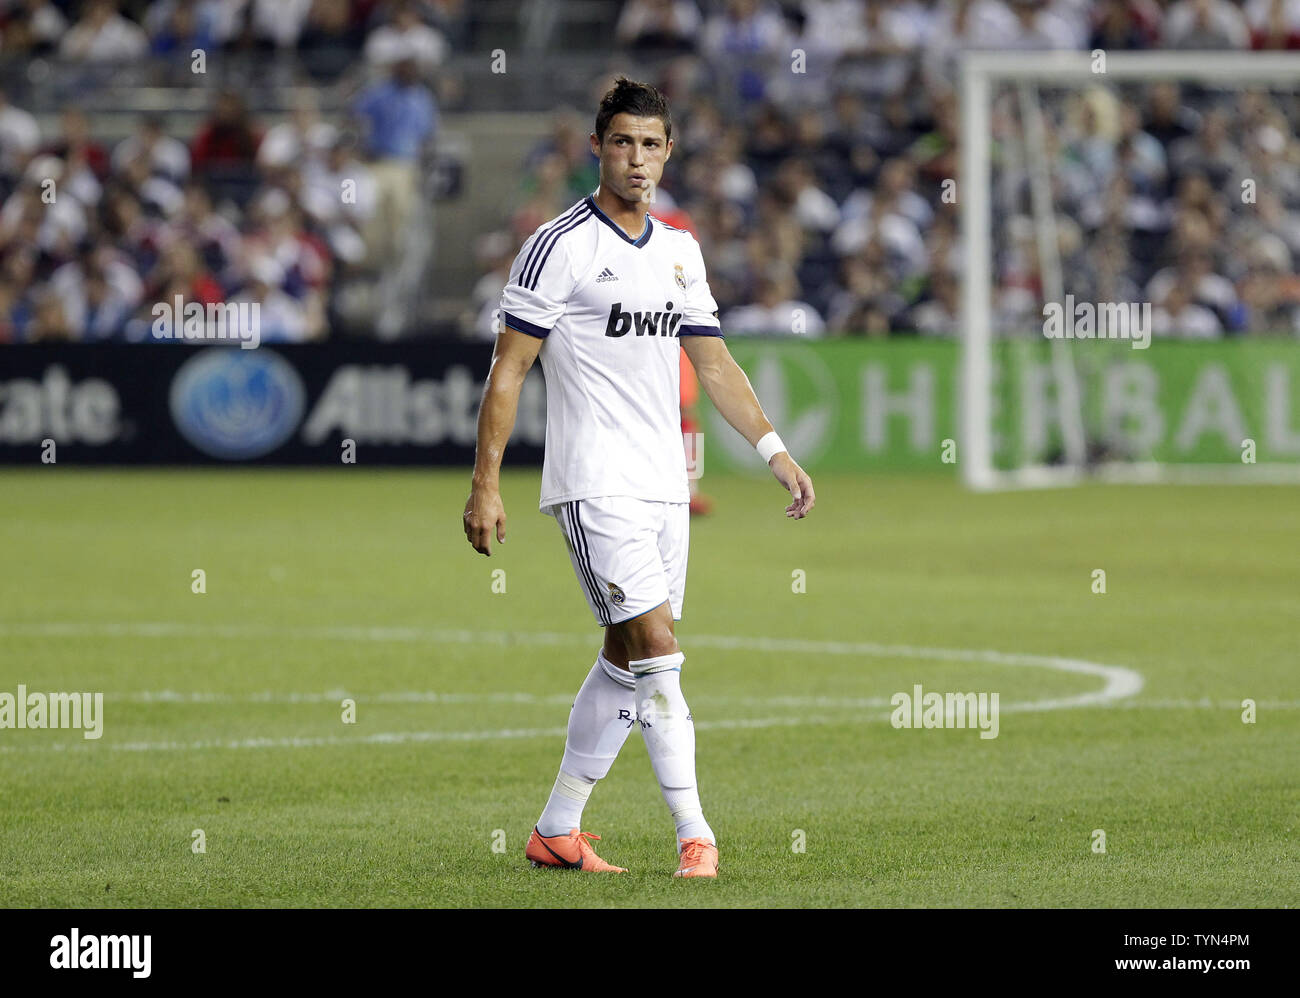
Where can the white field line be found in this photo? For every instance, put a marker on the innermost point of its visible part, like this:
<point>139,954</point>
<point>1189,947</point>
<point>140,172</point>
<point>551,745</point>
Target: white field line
<point>1119,683</point>
<point>1205,703</point>
<point>504,734</point>
<point>561,699</point>
<point>430,696</point>
<point>394,737</point>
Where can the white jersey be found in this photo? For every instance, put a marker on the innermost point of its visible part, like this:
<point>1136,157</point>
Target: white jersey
<point>610,309</point>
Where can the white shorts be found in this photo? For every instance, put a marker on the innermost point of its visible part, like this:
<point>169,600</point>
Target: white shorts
<point>629,554</point>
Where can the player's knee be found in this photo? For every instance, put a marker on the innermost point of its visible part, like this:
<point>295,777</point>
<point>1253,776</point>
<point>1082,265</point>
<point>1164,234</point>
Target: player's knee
<point>647,636</point>
<point>653,643</point>
<point>664,644</point>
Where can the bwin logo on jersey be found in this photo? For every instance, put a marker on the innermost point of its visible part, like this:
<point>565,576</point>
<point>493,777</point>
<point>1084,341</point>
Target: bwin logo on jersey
<point>645,323</point>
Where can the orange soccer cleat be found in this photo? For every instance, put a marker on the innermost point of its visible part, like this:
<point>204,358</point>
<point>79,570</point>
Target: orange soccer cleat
<point>699,859</point>
<point>568,852</point>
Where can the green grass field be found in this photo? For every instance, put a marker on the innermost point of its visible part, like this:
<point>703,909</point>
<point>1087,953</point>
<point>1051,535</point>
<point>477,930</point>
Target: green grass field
<point>222,710</point>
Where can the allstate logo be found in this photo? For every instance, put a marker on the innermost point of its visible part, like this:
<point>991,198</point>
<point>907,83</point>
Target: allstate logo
<point>236,404</point>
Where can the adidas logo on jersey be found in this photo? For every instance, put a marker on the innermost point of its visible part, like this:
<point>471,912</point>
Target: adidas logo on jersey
<point>606,275</point>
<point>644,323</point>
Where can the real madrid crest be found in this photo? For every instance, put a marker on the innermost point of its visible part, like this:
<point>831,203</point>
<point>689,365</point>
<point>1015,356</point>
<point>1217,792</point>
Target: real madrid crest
<point>679,276</point>
<point>616,594</point>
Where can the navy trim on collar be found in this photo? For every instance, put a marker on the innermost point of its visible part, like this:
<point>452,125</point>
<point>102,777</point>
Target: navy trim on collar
<point>639,241</point>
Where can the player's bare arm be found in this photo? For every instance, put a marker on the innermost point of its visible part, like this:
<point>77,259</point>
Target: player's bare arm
<point>484,512</point>
<point>729,389</point>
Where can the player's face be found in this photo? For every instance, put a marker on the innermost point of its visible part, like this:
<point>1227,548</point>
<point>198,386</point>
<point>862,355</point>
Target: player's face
<point>633,155</point>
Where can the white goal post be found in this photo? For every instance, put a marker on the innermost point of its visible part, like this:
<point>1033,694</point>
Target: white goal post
<point>980,75</point>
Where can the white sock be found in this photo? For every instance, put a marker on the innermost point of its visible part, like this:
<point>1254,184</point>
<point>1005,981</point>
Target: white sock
<point>564,808</point>
<point>669,735</point>
<point>601,719</point>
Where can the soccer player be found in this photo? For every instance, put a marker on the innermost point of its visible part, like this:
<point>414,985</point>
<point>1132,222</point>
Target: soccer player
<point>606,295</point>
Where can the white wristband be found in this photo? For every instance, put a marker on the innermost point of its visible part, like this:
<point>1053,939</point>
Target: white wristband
<point>769,445</point>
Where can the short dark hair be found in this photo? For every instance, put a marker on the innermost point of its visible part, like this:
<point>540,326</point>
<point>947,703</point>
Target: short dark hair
<point>639,99</point>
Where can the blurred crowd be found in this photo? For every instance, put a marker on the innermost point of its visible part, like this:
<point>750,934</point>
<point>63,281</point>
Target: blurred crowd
<point>122,30</point>
<point>818,196</point>
<point>817,160</point>
<point>93,234</point>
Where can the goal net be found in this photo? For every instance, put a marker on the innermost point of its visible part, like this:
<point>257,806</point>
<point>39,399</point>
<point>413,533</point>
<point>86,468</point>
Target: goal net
<point>1131,306</point>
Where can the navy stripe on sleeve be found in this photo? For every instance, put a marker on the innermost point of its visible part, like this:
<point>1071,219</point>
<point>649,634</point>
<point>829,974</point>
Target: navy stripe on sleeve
<point>523,325</point>
<point>699,330</point>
